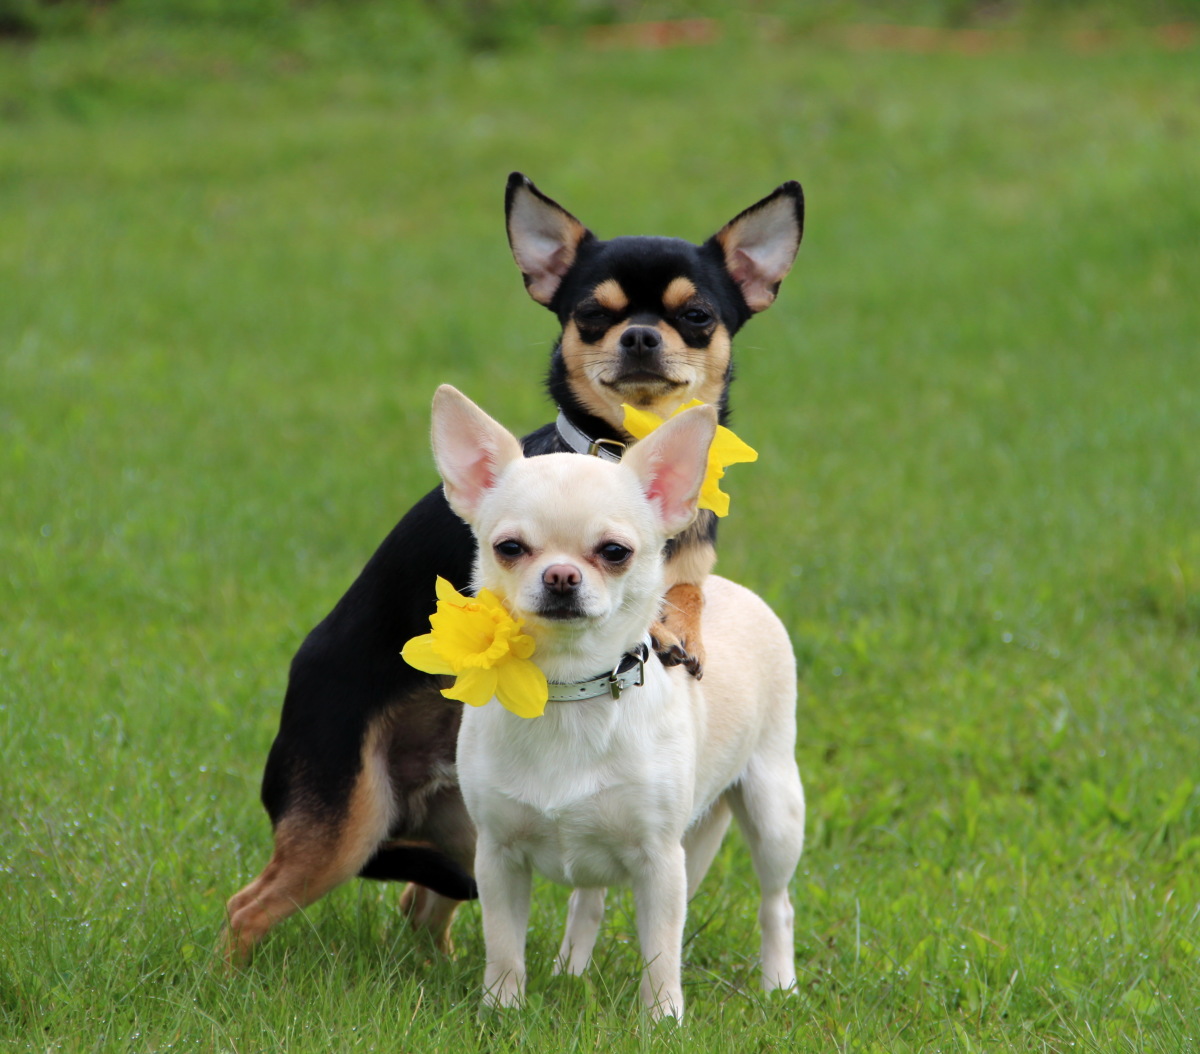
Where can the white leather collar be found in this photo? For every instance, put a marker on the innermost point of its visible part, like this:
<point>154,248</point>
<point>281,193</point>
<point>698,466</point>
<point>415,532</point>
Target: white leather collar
<point>582,443</point>
<point>630,672</point>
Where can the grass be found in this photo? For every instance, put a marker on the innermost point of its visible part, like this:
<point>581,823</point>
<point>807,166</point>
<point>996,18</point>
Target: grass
<point>235,266</point>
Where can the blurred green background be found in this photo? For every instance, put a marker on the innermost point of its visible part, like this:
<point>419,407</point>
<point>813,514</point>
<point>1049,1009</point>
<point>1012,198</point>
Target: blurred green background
<point>241,244</point>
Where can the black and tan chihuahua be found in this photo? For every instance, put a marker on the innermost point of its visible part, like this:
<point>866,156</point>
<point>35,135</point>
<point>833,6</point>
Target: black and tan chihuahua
<point>360,779</point>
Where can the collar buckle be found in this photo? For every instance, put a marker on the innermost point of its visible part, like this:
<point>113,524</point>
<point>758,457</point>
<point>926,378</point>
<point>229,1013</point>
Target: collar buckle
<point>609,449</point>
<point>615,684</point>
<point>576,439</point>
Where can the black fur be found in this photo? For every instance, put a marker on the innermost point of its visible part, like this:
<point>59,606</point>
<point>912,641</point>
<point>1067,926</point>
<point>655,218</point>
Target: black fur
<point>348,672</point>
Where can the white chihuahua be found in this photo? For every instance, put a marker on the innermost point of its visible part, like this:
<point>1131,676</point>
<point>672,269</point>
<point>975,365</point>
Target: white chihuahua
<point>630,776</point>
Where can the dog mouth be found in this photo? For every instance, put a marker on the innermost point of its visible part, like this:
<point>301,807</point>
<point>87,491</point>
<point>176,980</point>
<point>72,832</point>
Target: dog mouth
<point>563,612</point>
<point>641,379</point>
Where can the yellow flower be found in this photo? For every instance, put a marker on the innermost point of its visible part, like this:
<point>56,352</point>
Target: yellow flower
<point>726,450</point>
<point>476,639</point>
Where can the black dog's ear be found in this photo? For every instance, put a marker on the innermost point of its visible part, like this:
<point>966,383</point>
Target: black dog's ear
<point>543,235</point>
<point>760,244</point>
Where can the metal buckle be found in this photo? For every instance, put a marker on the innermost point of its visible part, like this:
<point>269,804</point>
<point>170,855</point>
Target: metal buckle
<point>610,446</point>
<point>614,684</point>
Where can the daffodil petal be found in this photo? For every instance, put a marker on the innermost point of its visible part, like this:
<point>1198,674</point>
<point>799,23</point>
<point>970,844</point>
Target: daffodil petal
<point>421,654</point>
<point>712,497</point>
<point>522,645</point>
<point>639,423</point>
<point>447,593</point>
<point>690,404</point>
<point>521,687</point>
<point>461,632</point>
<point>475,686</point>
<point>490,601</point>
<point>728,449</point>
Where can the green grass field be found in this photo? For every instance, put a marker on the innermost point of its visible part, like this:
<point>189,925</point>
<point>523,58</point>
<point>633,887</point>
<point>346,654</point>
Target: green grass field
<point>233,268</point>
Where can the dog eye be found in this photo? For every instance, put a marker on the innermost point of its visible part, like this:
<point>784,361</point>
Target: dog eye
<point>509,549</point>
<point>613,553</point>
<point>592,316</point>
<point>697,316</point>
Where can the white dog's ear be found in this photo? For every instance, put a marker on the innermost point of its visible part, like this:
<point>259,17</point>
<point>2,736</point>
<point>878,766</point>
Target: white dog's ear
<point>471,450</point>
<point>670,464</point>
<point>543,235</point>
<point>760,244</point>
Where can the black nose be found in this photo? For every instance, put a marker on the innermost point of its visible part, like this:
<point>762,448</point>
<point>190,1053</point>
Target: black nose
<point>561,578</point>
<point>640,341</point>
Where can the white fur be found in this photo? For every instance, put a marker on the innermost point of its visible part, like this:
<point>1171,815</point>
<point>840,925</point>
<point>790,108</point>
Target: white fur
<point>636,791</point>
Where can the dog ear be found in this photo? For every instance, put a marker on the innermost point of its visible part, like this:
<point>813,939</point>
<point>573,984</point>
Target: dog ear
<point>543,235</point>
<point>471,450</point>
<point>760,244</point>
<point>671,463</point>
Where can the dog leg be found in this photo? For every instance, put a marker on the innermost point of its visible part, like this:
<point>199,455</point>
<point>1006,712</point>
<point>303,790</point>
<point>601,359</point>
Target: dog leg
<point>681,619</point>
<point>504,890</point>
<point>677,633</point>
<point>309,860</point>
<point>450,828</point>
<point>769,805</point>
<point>585,913</point>
<point>660,893</point>
<point>431,913</point>
<point>702,841</point>
<point>312,856</point>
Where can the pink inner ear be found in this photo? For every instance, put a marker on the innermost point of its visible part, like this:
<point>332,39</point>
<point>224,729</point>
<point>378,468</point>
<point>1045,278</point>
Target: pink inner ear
<point>483,472</point>
<point>749,275</point>
<point>656,497</point>
<point>559,262</point>
<point>742,267</point>
<point>669,492</point>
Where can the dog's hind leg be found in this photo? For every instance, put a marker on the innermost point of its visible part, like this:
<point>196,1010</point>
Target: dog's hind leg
<point>769,805</point>
<point>585,913</point>
<point>312,856</point>
<point>449,827</point>
<point>431,913</point>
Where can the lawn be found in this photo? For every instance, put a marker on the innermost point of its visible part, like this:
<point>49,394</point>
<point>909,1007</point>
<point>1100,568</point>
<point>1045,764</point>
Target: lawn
<point>234,265</point>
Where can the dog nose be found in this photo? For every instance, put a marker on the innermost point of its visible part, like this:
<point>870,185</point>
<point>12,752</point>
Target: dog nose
<point>641,341</point>
<point>561,578</point>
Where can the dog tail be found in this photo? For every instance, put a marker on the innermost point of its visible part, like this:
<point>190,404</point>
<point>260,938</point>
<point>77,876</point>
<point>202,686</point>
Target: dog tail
<point>423,865</point>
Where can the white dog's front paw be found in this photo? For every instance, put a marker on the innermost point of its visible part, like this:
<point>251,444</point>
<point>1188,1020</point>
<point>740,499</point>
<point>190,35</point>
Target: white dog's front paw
<point>784,981</point>
<point>503,990</point>
<point>570,967</point>
<point>665,1004</point>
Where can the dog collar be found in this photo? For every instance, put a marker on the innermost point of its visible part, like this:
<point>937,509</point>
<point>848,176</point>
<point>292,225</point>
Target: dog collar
<point>630,672</point>
<point>582,443</point>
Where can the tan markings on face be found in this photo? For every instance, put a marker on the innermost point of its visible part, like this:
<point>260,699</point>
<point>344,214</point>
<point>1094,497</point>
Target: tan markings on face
<point>610,296</point>
<point>594,373</point>
<point>585,364</point>
<point>716,363</point>
<point>678,293</point>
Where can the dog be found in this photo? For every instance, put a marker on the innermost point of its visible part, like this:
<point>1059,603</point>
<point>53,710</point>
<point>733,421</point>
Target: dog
<point>360,779</point>
<point>638,789</point>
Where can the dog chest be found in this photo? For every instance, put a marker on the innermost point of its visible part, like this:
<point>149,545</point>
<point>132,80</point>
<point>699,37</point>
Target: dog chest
<point>600,840</point>
<point>581,807</point>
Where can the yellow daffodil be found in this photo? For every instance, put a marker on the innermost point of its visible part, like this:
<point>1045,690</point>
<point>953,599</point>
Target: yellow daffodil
<point>477,640</point>
<point>726,450</point>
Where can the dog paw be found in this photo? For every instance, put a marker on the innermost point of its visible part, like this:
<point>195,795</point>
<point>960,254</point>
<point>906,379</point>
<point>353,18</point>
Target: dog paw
<point>672,651</point>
